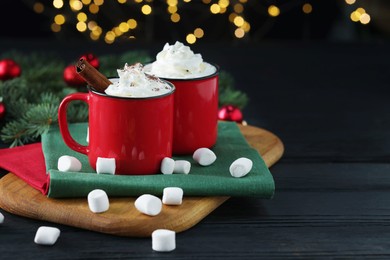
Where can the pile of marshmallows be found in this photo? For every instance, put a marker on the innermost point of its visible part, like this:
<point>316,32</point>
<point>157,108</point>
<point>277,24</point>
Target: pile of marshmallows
<point>163,240</point>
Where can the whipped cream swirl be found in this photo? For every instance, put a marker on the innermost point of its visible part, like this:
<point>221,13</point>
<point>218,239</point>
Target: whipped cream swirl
<point>133,82</point>
<point>179,62</point>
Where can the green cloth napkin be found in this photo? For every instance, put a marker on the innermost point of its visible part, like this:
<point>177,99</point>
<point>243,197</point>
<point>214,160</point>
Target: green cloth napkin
<point>213,180</point>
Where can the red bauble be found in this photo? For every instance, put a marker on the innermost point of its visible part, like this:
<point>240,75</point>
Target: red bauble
<point>2,110</point>
<point>72,78</point>
<point>230,113</point>
<point>92,59</point>
<point>9,69</point>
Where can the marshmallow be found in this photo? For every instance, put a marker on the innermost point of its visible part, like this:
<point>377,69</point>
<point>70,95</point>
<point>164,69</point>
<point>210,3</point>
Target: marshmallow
<point>163,240</point>
<point>204,156</point>
<point>167,165</point>
<point>182,166</point>
<point>240,167</point>
<point>46,236</point>
<point>98,201</point>
<point>148,204</point>
<point>67,163</point>
<point>172,196</point>
<point>105,165</point>
<point>1,218</point>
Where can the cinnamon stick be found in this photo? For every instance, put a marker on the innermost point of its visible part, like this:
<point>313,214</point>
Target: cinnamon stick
<point>92,76</point>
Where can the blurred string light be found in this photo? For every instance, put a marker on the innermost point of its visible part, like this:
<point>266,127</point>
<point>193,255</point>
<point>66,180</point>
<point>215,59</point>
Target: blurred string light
<point>307,8</point>
<point>273,10</point>
<point>359,14</point>
<point>86,15</point>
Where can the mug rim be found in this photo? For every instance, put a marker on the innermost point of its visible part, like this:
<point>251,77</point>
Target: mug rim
<point>94,91</point>
<point>216,72</point>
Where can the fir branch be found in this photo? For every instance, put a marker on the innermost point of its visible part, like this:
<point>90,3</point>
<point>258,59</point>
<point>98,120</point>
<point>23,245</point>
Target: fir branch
<point>228,95</point>
<point>233,97</point>
<point>226,80</point>
<point>50,73</point>
<point>15,132</point>
<point>38,59</point>
<point>39,119</point>
<point>14,89</point>
<point>77,111</point>
<point>17,108</point>
<point>49,98</point>
<point>66,91</point>
<point>14,97</point>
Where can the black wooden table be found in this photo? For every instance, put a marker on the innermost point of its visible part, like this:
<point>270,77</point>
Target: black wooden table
<point>330,105</point>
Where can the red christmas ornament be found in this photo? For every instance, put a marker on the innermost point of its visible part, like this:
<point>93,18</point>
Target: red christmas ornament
<point>72,78</point>
<point>92,59</point>
<point>9,69</point>
<point>2,110</point>
<point>230,113</point>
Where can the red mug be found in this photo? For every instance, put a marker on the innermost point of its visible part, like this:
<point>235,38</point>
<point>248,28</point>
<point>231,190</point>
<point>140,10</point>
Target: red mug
<point>195,113</point>
<point>136,131</point>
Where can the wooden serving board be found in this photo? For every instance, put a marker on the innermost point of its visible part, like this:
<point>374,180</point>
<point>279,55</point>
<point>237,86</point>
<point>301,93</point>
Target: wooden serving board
<point>122,218</point>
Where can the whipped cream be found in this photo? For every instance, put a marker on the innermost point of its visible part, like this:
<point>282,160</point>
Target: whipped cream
<point>179,62</point>
<point>133,82</point>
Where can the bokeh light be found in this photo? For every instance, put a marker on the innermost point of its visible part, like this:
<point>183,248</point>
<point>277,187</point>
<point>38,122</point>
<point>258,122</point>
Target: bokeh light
<point>191,39</point>
<point>307,8</point>
<point>87,16</point>
<point>273,10</point>
<point>146,9</point>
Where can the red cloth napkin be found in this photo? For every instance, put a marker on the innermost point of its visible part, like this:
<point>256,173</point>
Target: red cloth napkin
<point>28,163</point>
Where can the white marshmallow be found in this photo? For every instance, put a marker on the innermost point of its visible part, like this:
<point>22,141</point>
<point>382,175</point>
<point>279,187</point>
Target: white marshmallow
<point>172,196</point>
<point>182,166</point>
<point>105,165</point>
<point>204,156</point>
<point>167,165</point>
<point>98,201</point>
<point>148,204</point>
<point>1,218</point>
<point>240,167</point>
<point>67,163</point>
<point>46,235</point>
<point>163,240</point>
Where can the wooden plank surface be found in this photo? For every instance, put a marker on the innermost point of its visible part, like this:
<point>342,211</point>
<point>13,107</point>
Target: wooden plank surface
<point>123,219</point>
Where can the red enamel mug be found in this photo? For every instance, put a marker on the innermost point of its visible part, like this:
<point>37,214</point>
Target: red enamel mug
<point>136,131</point>
<point>195,113</point>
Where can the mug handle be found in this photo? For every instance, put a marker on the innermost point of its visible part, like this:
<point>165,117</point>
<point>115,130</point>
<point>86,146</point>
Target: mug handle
<point>63,122</point>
